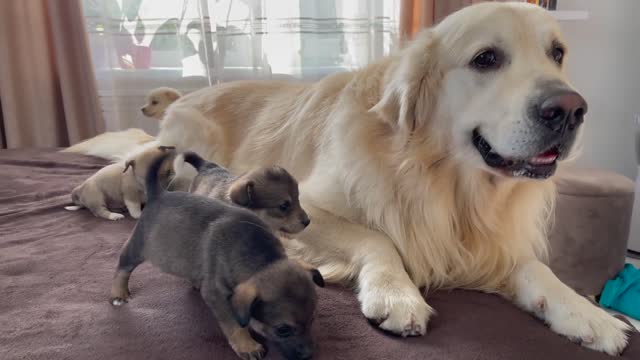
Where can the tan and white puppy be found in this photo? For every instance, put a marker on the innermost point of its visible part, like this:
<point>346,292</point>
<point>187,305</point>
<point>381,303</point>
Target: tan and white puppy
<point>429,168</point>
<point>120,185</point>
<point>158,100</point>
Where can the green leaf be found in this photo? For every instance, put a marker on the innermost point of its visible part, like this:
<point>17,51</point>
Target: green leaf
<point>139,32</point>
<point>130,8</point>
<point>166,37</point>
<point>187,46</point>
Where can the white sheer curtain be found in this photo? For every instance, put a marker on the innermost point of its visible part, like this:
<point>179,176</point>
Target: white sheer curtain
<point>189,44</point>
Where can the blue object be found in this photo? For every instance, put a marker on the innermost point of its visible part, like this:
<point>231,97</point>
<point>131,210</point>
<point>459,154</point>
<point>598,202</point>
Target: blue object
<point>623,293</point>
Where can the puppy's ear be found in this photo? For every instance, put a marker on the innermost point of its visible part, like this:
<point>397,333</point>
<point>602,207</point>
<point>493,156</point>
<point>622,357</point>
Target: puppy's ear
<point>129,164</point>
<point>243,301</point>
<point>317,277</point>
<point>241,192</point>
<point>410,86</point>
<point>315,274</point>
<point>173,95</point>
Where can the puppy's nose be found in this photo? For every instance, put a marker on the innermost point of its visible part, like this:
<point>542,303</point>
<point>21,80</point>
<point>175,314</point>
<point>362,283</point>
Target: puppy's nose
<point>562,111</point>
<point>306,222</point>
<point>143,111</point>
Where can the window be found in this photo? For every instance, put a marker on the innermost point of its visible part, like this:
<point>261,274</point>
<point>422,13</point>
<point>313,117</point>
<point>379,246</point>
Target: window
<point>188,44</point>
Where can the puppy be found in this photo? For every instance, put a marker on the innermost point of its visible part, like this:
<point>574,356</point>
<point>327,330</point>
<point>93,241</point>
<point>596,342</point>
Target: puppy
<point>158,100</point>
<point>270,192</point>
<point>234,259</point>
<point>119,186</point>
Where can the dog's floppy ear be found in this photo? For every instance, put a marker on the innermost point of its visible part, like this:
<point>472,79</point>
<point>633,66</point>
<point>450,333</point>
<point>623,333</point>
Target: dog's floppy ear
<point>315,274</point>
<point>241,192</point>
<point>243,301</point>
<point>317,277</point>
<point>410,86</point>
<point>173,95</point>
<point>129,164</point>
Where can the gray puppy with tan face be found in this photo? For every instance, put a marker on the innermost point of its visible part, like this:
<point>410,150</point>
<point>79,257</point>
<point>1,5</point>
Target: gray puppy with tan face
<point>239,265</point>
<point>270,192</point>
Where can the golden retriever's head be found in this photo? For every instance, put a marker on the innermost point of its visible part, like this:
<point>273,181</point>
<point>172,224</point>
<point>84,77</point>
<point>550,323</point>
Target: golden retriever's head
<point>158,100</point>
<point>488,82</point>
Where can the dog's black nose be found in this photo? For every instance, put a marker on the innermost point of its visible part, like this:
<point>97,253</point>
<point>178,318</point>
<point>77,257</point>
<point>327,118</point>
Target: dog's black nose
<point>306,222</point>
<point>562,111</point>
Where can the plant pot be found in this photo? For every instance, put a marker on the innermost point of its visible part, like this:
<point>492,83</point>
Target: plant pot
<point>141,56</point>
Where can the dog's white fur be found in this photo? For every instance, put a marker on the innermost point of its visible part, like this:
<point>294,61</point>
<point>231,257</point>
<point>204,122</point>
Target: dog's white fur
<point>398,196</point>
<point>112,145</point>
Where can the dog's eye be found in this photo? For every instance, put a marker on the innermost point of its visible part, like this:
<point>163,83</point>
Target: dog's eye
<point>154,102</point>
<point>557,54</point>
<point>284,207</point>
<point>284,330</point>
<point>488,59</point>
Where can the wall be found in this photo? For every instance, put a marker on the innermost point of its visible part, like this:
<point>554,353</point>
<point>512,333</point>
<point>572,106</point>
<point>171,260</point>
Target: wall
<point>604,64</point>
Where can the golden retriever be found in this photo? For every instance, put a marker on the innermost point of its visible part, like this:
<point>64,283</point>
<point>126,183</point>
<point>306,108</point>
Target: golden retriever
<point>428,168</point>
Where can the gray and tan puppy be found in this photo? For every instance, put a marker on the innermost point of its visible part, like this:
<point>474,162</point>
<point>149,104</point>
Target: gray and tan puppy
<point>270,192</point>
<point>119,186</point>
<point>239,265</point>
<point>158,100</point>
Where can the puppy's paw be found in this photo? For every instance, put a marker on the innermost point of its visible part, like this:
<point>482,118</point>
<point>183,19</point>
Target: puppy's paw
<point>249,350</point>
<point>119,296</point>
<point>115,216</point>
<point>134,208</point>
<point>402,312</point>
<point>118,301</point>
<point>73,208</point>
<point>587,324</point>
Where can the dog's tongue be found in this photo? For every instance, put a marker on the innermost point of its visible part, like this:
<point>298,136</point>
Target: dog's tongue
<point>547,157</point>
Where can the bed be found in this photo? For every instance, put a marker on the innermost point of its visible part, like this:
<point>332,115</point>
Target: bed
<point>55,273</point>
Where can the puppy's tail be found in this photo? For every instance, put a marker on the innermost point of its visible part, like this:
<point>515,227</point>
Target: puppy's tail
<point>197,162</point>
<point>154,189</point>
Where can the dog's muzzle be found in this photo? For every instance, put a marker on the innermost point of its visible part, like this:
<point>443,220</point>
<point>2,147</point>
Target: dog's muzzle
<point>558,115</point>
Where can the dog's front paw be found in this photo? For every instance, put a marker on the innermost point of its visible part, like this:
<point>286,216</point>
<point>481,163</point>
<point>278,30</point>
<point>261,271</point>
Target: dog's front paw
<point>116,216</point>
<point>118,301</point>
<point>587,324</point>
<point>249,350</point>
<point>402,312</point>
<point>119,295</point>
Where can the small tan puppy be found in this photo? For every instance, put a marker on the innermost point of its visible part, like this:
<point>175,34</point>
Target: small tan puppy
<point>119,186</point>
<point>158,100</point>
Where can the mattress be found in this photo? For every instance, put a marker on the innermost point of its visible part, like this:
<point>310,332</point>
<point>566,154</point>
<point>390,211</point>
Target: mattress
<point>56,268</point>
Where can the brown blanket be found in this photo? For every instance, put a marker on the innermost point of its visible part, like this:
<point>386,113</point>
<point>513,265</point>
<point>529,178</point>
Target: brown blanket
<point>56,268</point>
